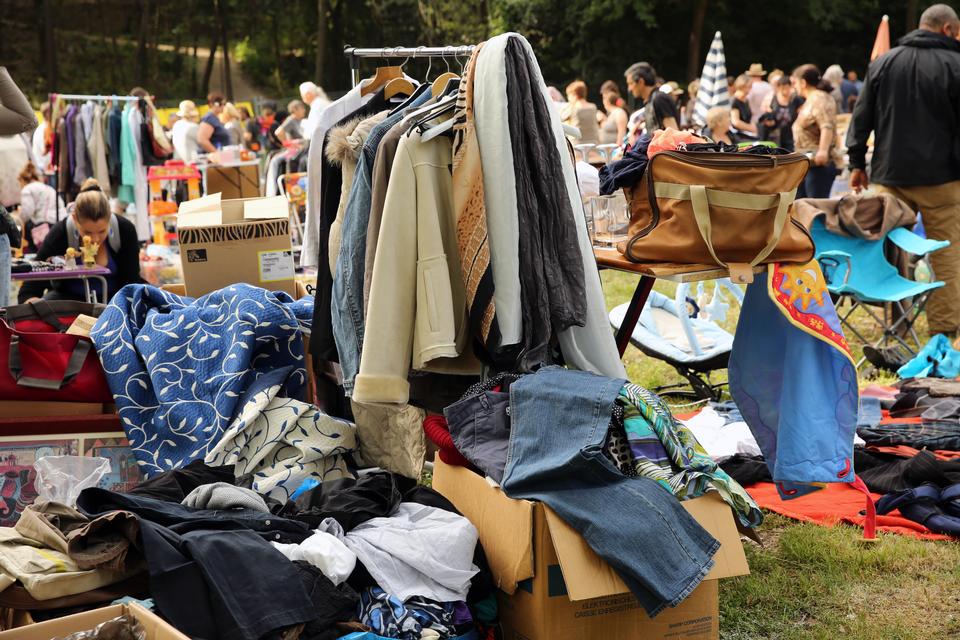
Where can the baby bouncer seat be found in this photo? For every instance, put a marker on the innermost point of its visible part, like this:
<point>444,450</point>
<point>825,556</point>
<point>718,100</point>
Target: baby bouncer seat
<point>685,336</point>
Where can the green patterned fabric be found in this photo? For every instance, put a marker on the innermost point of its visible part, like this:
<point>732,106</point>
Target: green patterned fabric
<point>666,451</point>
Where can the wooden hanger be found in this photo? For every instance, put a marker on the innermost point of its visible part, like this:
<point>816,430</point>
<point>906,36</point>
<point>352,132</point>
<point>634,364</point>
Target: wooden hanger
<point>440,84</point>
<point>381,77</point>
<point>398,86</point>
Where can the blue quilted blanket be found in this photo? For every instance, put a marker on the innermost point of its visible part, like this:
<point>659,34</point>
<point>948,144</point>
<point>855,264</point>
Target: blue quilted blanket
<point>179,367</point>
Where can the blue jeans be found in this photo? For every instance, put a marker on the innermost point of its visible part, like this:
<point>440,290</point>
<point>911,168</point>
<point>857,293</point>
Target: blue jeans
<point>559,421</point>
<point>819,182</point>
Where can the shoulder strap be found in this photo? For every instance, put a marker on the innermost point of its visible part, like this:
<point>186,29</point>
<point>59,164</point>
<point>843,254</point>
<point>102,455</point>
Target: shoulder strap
<point>113,237</point>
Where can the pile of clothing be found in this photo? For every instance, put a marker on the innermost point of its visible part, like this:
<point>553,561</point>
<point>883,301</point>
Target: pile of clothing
<point>219,379</point>
<point>219,560</point>
<point>610,459</point>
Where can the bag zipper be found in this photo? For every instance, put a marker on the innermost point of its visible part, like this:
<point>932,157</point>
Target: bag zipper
<point>718,159</point>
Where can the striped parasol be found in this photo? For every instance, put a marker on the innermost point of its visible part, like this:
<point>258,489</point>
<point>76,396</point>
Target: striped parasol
<point>713,82</point>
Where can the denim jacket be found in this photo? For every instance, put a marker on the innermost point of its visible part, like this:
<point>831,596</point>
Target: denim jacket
<point>347,307</point>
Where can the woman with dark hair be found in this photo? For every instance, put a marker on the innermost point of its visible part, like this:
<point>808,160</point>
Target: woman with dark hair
<point>212,135</point>
<point>117,237</point>
<point>815,131</point>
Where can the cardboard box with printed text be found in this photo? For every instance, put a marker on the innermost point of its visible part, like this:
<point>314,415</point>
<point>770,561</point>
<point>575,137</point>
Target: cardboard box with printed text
<point>554,587</point>
<point>224,242</point>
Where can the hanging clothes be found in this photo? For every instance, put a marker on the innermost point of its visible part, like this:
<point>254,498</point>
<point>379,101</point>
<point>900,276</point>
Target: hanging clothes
<point>81,169</point>
<point>322,344</point>
<point>114,157</point>
<point>350,102</point>
<point>134,175</point>
<point>348,301</point>
<point>97,149</point>
<point>417,316</point>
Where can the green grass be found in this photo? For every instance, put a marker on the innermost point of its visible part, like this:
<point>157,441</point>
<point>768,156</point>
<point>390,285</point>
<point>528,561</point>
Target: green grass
<point>814,582</point>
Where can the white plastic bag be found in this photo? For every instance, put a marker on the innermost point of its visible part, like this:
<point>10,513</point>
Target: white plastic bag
<point>62,478</point>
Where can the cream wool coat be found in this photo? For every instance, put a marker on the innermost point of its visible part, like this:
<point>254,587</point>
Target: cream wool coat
<point>417,313</point>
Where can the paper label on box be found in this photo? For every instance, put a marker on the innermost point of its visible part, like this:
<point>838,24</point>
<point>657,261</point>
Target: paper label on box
<point>276,266</point>
<point>196,255</point>
<point>82,326</point>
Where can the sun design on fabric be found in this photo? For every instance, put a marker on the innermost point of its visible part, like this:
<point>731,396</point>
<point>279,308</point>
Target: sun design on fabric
<point>804,284</point>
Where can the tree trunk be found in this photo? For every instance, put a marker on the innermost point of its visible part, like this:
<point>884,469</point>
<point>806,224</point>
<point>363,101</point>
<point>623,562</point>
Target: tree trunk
<point>222,26</point>
<point>322,30</point>
<point>102,19</point>
<point>696,37</point>
<point>208,71</point>
<point>275,42</point>
<point>911,15</point>
<point>143,59</point>
<point>50,44</point>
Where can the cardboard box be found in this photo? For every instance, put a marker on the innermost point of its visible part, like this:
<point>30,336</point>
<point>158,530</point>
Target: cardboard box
<point>234,182</point>
<point>223,242</point>
<point>155,627</point>
<point>553,586</point>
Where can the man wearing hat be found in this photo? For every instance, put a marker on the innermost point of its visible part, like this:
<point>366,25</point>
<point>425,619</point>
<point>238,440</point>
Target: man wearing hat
<point>184,131</point>
<point>760,90</point>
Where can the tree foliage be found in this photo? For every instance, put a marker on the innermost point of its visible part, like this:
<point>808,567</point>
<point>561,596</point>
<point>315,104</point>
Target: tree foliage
<point>63,44</point>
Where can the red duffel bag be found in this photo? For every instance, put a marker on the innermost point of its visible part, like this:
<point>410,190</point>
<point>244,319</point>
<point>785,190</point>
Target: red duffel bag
<point>43,362</point>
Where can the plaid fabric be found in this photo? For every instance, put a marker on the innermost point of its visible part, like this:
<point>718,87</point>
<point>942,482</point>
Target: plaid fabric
<point>666,451</point>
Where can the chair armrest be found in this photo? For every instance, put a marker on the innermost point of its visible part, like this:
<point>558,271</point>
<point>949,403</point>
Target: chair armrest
<point>830,261</point>
<point>912,243</point>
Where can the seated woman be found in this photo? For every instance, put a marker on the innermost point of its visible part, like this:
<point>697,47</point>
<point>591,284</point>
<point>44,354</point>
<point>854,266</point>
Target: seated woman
<point>718,126</point>
<point>119,248</point>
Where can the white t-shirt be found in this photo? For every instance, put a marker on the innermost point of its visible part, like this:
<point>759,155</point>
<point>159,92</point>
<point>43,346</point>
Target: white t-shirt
<point>40,153</point>
<point>38,203</point>
<point>184,134</point>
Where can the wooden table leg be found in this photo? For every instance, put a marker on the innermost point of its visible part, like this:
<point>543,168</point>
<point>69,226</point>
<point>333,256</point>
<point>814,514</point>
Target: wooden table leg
<point>632,317</point>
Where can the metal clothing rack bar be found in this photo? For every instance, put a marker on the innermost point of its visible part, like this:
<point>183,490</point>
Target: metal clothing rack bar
<point>98,98</point>
<point>354,54</point>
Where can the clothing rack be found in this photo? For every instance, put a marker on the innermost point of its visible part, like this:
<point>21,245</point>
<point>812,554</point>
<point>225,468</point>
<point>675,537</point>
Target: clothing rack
<point>85,97</point>
<point>354,54</point>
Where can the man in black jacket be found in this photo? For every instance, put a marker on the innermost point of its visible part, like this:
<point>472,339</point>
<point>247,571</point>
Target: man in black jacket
<point>911,102</point>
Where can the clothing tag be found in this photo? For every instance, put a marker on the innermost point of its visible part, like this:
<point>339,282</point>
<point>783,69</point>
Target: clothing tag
<point>276,266</point>
<point>82,326</point>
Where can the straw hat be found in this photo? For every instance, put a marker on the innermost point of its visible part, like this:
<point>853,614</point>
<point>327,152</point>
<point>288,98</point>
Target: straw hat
<point>756,69</point>
<point>188,111</point>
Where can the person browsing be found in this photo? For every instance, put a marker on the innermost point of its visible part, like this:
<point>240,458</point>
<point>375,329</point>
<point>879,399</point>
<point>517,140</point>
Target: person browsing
<point>212,135</point>
<point>909,103</point>
<point>659,109</point>
<point>119,248</point>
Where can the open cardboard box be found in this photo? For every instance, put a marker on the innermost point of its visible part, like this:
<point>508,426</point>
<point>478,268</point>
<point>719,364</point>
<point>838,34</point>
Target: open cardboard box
<point>155,627</point>
<point>227,241</point>
<point>555,587</point>
<point>234,182</point>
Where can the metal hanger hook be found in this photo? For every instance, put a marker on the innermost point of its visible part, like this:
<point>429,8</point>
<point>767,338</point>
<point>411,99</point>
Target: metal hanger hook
<point>429,64</point>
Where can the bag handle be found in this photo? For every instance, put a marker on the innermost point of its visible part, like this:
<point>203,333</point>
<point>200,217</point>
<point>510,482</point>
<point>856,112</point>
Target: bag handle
<point>52,310</point>
<point>700,197</point>
<point>74,365</point>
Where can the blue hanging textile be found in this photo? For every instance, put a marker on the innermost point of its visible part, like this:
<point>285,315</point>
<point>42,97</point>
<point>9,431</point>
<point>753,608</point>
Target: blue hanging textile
<point>794,380</point>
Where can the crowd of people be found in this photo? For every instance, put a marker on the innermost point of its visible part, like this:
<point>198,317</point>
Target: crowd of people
<point>226,124</point>
<point>798,112</point>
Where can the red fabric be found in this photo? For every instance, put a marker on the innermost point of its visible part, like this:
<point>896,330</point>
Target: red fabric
<point>436,429</point>
<point>669,140</point>
<point>836,503</point>
<point>44,353</point>
<point>904,451</point>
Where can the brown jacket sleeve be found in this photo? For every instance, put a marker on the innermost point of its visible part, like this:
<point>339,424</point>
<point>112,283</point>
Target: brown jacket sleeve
<point>16,114</point>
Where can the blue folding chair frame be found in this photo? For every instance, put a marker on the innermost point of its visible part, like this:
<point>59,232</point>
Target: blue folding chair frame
<point>858,269</point>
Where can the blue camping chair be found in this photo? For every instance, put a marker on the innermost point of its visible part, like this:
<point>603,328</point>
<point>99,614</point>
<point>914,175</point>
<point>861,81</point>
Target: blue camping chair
<point>857,269</point>
<point>668,331</point>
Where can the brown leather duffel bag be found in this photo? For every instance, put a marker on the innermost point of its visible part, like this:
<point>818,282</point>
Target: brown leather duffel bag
<point>729,209</point>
